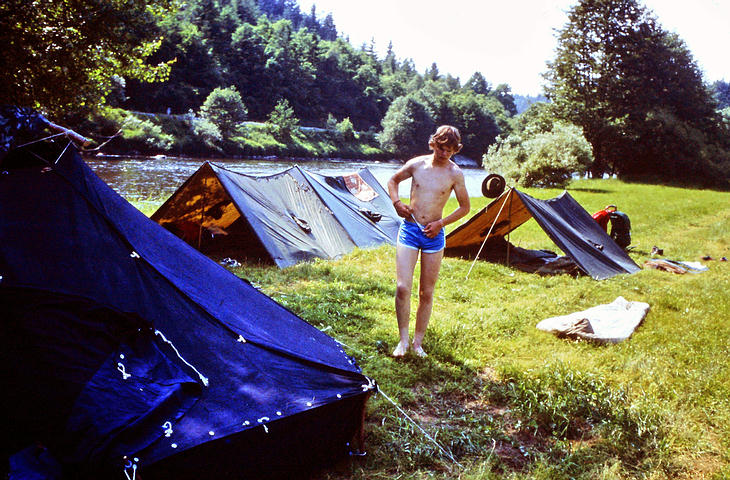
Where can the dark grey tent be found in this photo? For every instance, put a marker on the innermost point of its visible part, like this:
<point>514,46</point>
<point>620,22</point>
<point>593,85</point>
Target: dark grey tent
<point>562,218</point>
<point>284,218</point>
<point>124,349</point>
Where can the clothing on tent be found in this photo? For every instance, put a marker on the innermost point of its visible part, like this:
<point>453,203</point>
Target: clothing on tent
<point>567,224</point>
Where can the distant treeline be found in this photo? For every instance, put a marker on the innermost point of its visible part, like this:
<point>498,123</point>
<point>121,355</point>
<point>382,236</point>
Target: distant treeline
<point>269,51</point>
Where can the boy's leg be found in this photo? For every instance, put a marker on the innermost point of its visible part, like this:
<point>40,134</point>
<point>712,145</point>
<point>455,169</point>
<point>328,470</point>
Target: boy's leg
<point>430,266</point>
<point>405,263</point>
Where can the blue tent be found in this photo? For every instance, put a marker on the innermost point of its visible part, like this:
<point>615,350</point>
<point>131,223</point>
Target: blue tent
<point>125,349</point>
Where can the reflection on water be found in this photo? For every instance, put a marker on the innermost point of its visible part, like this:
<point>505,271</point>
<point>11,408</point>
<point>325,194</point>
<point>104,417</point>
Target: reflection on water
<point>141,179</point>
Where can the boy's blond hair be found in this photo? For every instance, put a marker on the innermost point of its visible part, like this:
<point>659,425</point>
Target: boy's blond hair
<point>446,136</point>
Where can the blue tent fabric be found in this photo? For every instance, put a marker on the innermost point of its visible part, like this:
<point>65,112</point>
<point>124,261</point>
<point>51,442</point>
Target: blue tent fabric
<point>120,340</point>
<point>572,229</point>
<point>285,218</point>
<point>368,222</point>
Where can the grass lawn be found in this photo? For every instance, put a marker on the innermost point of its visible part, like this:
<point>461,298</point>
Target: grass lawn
<point>507,401</point>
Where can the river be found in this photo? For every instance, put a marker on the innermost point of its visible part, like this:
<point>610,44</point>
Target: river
<point>155,179</point>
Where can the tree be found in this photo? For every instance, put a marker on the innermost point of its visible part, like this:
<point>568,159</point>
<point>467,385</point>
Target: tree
<point>62,56</point>
<point>503,93</point>
<point>478,84</point>
<point>614,71</point>
<point>282,120</point>
<point>224,109</point>
<point>722,94</point>
<point>406,127</point>
<point>471,114</point>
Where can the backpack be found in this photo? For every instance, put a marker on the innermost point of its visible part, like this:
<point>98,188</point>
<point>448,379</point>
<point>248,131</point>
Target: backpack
<point>620,228</point>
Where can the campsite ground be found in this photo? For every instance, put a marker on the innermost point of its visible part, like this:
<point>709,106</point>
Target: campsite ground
<point>506,400</point>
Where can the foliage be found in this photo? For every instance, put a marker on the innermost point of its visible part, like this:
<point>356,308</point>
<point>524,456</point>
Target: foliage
<point>62,56</point>
<point>406,128</point>
<point>206,132</point>
<point>536,158</point>
<point>224,109</point>
<point>345,130</point>
<point>476,116</point>
<point>615,66</point>
<point>275,52</point>
<point>282,121</point>
<point>721,92</point>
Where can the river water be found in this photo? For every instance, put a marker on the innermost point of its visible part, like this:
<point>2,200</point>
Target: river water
<point>155,179</point>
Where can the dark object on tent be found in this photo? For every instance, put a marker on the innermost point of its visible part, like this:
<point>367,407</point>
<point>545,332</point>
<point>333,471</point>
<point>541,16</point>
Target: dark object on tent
<point>566,223</point>
<point>493,185</point>
<point>124,349</point>
<point>285,218</point>
<point>620,228</point>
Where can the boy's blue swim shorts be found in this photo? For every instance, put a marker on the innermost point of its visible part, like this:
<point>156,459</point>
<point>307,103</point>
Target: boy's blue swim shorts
<point>411,236</point>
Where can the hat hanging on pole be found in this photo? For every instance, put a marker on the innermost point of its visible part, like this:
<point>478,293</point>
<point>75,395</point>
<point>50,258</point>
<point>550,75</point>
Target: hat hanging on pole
<point>493,185</point>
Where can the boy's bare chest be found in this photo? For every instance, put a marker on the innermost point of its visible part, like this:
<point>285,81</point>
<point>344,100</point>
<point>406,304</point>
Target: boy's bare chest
<point>430,181</point>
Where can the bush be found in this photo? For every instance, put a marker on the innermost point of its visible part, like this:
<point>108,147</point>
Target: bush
<point>206,132</point>
<point>225,109</point>
<point>345,130</point>
<point>282,121</point>
<point>545,159</point>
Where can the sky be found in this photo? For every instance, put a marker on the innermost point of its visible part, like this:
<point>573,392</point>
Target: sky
<point>509,41</point>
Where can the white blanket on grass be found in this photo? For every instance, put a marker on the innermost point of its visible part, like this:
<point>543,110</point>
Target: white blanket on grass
<point>608,323</point>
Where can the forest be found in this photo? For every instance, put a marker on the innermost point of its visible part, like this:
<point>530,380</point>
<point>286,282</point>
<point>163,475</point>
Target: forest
<point>236,77</point>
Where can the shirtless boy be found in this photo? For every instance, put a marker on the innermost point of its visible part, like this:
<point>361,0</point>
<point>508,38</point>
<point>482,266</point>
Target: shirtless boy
<point>433,178</point>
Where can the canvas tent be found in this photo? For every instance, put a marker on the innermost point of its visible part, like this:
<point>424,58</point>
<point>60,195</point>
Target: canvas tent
<point>562,218</point>
<point>124,350</point>
<point>292,216</point>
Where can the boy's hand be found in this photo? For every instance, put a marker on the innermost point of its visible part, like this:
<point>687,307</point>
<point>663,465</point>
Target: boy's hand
<point>402,209</point>
<point>433,228</point>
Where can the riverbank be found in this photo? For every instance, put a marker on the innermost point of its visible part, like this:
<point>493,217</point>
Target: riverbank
<point>121,132</point>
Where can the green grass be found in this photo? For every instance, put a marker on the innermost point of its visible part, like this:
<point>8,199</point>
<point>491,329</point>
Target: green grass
<point>511,402</point>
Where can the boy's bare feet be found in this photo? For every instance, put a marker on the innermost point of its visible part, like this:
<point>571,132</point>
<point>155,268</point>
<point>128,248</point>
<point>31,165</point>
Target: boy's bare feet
<point>400,350</point>
<point>418,350</point>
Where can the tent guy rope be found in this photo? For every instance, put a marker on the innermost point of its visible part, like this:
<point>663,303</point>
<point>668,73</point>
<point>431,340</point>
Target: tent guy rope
<point>509,190</point>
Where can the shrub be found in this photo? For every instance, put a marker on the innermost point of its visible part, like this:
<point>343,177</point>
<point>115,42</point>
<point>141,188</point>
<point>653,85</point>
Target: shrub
<point>544,159</point>
<point>225,109</point>
<point>345,130</point>
<point>145,135</point>
<point>206,132</point>
<point>282,121</point>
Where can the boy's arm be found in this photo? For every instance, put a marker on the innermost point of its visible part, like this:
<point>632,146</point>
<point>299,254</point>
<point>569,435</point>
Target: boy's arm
<point>462,197</point>
<point>403,173</point>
